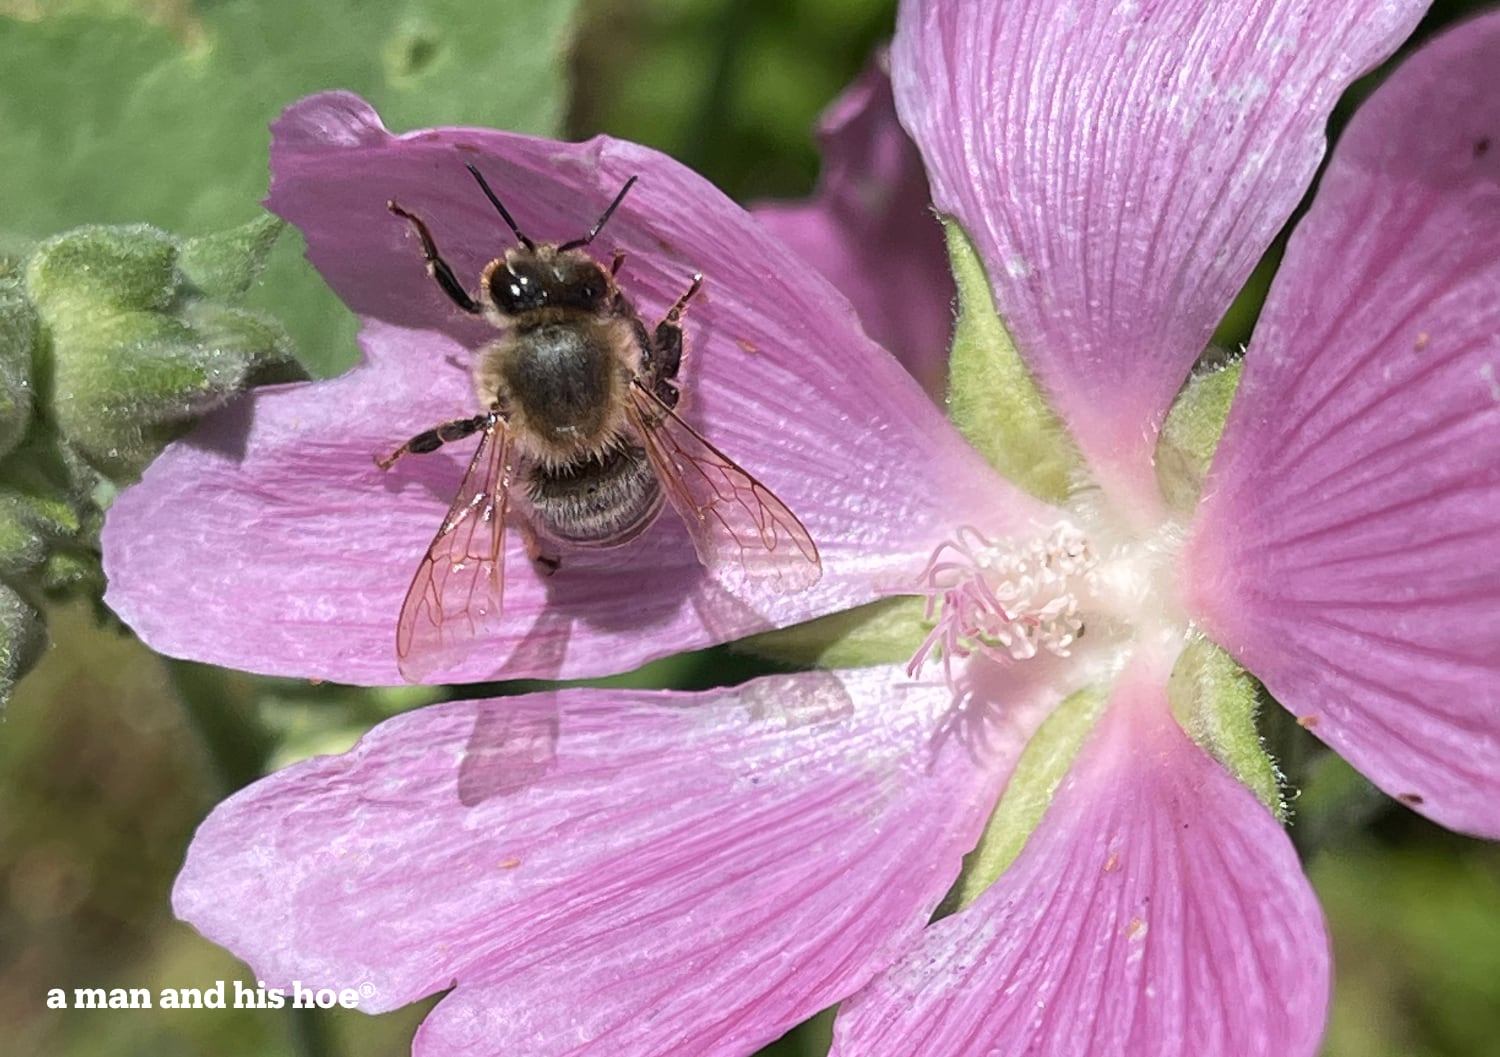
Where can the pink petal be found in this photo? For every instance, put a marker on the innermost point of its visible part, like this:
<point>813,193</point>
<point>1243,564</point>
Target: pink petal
<point>870,229</point>
<point>601,873</point>
<point>1121,168</point>
<point>1346,549</point>
<point>278,547</point>
<point>1158,911</point>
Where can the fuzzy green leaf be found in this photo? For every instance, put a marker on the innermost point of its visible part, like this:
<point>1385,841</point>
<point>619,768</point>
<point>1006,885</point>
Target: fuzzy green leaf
<point>114,120</point>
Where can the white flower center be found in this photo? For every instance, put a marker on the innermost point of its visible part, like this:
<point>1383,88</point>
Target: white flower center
<point>1010,599</point>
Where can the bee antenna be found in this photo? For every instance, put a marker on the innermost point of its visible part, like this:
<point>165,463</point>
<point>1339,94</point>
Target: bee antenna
<point>604,219</point>
<point>495,201</point>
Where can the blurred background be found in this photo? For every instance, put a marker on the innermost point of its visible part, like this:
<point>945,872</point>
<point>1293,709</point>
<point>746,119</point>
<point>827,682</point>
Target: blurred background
<point>117,111</point>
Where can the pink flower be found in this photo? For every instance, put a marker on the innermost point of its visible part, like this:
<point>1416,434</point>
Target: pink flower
<point>640,873</point>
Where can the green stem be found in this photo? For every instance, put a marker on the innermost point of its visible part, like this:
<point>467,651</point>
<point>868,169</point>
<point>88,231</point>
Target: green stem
<point>308,1034</point>
<point>223,716</point>
<point>221,708</point>
<point>712,115</point>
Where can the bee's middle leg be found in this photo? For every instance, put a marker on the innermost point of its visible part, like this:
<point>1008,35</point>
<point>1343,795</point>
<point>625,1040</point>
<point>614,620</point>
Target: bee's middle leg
<point>547,563</point>
<point>432,439</point>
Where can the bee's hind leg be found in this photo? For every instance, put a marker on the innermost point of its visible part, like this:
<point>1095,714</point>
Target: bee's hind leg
<point>547,563</point>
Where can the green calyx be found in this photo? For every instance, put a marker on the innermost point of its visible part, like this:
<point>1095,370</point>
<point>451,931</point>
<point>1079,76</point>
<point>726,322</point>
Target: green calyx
<point>224,265</point>
<point>992,397</point>
<point>140,333</point>
<point>1042,767</point>
<point>884,632</point>
<point>1212,698</point>
<point>1192,430</point>
<point>1216,701</point>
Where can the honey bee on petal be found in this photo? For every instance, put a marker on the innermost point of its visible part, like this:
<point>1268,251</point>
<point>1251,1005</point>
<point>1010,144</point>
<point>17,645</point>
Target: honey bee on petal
<point>579,419</point>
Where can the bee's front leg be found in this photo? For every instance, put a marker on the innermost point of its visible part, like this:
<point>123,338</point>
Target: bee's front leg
<point>436,266</point>
<point>666,348</point>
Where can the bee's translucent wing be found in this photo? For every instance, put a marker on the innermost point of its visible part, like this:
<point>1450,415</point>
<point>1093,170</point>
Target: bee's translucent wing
<point>460,584</point>
<point>738,525</point>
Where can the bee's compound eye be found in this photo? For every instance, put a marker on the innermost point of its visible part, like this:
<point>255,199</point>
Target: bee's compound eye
<point>516,289</point>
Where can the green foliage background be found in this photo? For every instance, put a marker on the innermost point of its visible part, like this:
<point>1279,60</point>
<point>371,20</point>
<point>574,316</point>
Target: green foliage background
<point>119,111</point>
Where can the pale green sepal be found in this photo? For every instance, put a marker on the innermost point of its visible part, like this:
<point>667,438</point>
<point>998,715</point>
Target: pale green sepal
<point>18,342</point>
<point>29,524</point>
<point>93,269</point>
<point>136,348</point>
<point>1192,430</point>
<point>67,571</point>
<point>1216,701</point>
<point>23,637</point>
<point>225,264</point>
<point>251,336</point>
<point>992,397</point>
<point>119,377</point>
<point>1041,768</point>
<point>54,482</point>
<point>884,632</point>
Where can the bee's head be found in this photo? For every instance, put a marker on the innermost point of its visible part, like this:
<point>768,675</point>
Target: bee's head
<point>541,275</point>
<point>546,277</point>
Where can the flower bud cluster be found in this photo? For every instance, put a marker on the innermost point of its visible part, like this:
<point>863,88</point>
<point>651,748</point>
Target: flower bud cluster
<point>112,341</point>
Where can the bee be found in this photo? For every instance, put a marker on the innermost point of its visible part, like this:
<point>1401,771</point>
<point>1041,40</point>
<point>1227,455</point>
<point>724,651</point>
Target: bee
<point>580,442</point>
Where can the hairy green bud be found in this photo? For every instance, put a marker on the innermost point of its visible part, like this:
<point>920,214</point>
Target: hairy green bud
<point>139,338</point>
<point>18,346</point>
